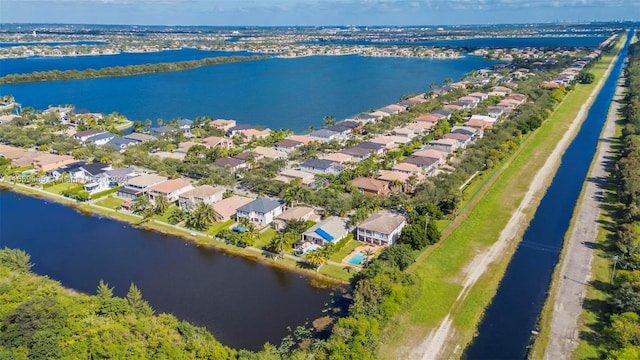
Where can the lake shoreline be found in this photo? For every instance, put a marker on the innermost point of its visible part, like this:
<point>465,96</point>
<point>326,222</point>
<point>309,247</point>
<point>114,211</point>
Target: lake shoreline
<point>317,279</point>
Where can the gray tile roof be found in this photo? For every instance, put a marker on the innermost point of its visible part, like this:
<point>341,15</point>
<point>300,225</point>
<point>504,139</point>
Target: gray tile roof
<point>260,205</point>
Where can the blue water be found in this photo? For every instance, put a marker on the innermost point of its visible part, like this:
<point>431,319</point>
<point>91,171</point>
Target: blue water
<point>505,330</point>
<point>357,259</point>
<point>46,63</point>
<point>51,43</point>
<point>276,93</point>
<point>500,42</point>
<point>242,302</point>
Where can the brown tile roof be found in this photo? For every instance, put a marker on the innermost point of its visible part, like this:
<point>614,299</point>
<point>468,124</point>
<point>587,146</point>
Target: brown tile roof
<point>203,191</point>
<point>371,184</point>
<point>169,186</point>
<point>228,207</point>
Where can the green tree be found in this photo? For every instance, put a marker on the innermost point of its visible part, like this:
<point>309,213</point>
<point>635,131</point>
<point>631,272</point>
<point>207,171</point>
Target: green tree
<point>16,259</point>
<point>201,217</point>
<point>315,259</point>
<point>104,291</point>
<point>176,216</point>
<point>137,303</point>
<point>400,255</point>
<point>161,204</point>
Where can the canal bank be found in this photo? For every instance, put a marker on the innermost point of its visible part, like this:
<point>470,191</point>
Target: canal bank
<point>508,321</point>
<point>419,331</point>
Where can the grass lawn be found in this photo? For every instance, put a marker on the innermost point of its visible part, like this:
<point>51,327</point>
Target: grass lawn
<point>337,272</point>
<point>265,237</point>
<point>58,188</point>
<point>440,269</point>
<point>165,216</point>
<point>217,226</point>
<point>111,202</point>
<point>346,250</point>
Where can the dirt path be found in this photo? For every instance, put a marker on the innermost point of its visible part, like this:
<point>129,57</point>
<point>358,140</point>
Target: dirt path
<point>436,341</point>
<point>576,266</point>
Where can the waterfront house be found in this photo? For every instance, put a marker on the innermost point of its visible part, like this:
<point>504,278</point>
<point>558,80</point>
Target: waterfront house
<point>232,163</point>
<point>222,124</point>
<point>379,115</point>
<point>237,129</point>
<point>324,135</point>
<point>344,132</point>
<point>170,189</point>
<point>85,135</point>
<point>393,109</point>
<point>226,208</point>
<point>287,145</point>
<point>119,176</point>
<point>319,166</point>
<point>48,162</point>
<point>216,141</point>
<point>139,185</point>
<point>138,137</point>
<point>286,176</point>
<point>376,148</point>
<point>366,118</point>
<point>88,172</point>
<point>305,139</point>
<point>428,165</point>
<point>330,230</point>
<point>206,194</point>
<point>260,211</point>
<point>295,213</point>
<point>250,134</point>
<point>351,124</point>
<point>381,228</point>
<point>185,125</point>
<point>371,186</point>
<point>161,130</point>
<point>11,152</point>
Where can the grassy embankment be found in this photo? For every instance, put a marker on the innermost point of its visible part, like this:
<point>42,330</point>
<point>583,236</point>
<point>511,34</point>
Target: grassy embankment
<point>441,268</point>
<point>327,276</point>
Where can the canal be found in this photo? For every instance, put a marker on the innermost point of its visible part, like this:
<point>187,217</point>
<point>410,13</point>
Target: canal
<point>242,302</point>
<point>505,330</point>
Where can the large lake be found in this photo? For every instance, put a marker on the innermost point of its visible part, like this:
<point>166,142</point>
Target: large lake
<point>277,93</point>
<point>242,302</point>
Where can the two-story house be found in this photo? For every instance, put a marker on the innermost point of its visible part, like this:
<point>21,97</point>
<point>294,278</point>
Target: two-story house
<point>381,228</point>
<point>260,211</point>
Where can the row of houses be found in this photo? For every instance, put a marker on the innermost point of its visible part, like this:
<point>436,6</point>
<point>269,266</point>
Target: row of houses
<point>568,75</point>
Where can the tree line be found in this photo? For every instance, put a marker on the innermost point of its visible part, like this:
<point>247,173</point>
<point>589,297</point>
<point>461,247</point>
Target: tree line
<point>54,75</point>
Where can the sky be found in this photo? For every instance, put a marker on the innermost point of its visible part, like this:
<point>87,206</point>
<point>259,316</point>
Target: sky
<point>314,12</point>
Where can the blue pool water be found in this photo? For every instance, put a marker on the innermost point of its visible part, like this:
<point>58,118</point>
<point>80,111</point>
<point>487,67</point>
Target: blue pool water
<point>357,259</point>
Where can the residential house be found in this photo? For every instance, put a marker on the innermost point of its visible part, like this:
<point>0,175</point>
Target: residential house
<point>139,137</point>
<point>250,134</point>
<point>407,168</point>
<point>237,129</point>
<point>260,211</point>
<point>480,95</point>
<point>428,118</point>
<point>161,130</point>
<point>467,130</point>
<point>287,145</point>
<point>519,98</point>
<point>393,109</point>
<point>440,156</point>
<point>357,153</point>
<point>222,124</point>
<point>448,145</point>
<point>483,118</point>
<point>286,176</point>
<point>391,176</point>
<point>442,114</point>
<point>139,185</point>
<point>101,139</point>
<point>105,180</point>
<point>170,189</point>
<point>377,148</point>
<point>295,213</point>
<point>319,166</point>
<point>371,186</point>
<point>120,176</point>
<point>226,208</point>
<point>463,140</point>
<point>338,157</point>
<point>480,125</point>
<point>48,162</point>
<point>495,111</point>
<point>404,132</point>
<point>379,115</point>
<point>381,228</point>
<point>206,194</point>
<point>367,118</point>
<point>421,127</point>
<point>351,124</point>
<point>324,135</point>
<point>185,125</point>
<point>305,139</point>
<point>269,153</point>
<point>216,141</point>
<point>428,165</point>
<point>233,163</point>
<point>120,143</point>
<point>330,230</point>
<point>85,135</point>
<point>389,142</point>
<point>343,131</point>
<point>455,107</point>
<point>88,172</point>
<point>470,99</point>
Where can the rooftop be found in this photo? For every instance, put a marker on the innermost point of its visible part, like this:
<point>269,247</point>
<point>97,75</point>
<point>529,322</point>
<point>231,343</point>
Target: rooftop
<point>260,205</point>
<point>383,222</point>
<point>203,191</point>
<point>170,186</point>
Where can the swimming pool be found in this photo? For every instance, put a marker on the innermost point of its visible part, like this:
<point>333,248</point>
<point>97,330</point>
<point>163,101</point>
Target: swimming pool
<point>357,259</point>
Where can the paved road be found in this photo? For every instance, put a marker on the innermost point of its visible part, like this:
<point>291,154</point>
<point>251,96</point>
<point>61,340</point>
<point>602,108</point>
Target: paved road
<point>576,267</point>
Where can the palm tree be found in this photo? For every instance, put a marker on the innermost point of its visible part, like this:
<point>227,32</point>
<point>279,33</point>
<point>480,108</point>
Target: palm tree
<point>142,203</point>
<point>278,244</point>
<point>203,216</point>
<point>162,204</point>
<point>396,184</point>
<point>367,253</point>
<point>315,259</point>
<point>329,120</point>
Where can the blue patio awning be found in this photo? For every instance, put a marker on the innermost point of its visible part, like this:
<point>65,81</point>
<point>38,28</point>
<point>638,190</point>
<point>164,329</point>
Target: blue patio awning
<point>325,235</point>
